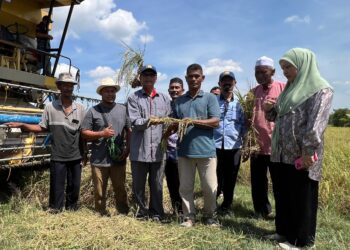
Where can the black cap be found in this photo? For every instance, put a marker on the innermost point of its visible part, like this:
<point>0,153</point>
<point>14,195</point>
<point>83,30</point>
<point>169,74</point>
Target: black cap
<point>227,73</point>
<point>148,67</point>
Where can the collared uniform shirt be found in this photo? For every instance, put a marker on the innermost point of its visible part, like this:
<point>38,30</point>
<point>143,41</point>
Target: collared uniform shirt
<point>229,134</point>
<point>264,127</point>
<point>197,142</point>
<point>145,144</point>
<point>65,130</point>
<point>301,131</point>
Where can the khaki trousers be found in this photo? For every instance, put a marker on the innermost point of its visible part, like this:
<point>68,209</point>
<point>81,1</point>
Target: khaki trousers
<point>100,176</point>
<point>207,174</point>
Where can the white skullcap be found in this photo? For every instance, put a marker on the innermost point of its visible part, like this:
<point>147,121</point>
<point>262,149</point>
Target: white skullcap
<point>264,61</point>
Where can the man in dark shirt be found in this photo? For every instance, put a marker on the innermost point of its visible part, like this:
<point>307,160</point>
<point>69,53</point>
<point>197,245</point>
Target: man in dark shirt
<point>108,121</point>
<point>43,43</point>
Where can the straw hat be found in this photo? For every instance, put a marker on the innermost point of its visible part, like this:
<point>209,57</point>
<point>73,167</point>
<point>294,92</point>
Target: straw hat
<point>66,77</point>
<point>107,82</point>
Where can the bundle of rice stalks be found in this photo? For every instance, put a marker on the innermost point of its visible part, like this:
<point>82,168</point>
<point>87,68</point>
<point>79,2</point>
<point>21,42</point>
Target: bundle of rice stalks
<point>250,143</point>
<point>129,72</point>
<point>182,125</point>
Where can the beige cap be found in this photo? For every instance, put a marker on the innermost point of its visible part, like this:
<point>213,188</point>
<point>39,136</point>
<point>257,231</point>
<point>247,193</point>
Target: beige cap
<point>107,82</point>
<point>66,77</point>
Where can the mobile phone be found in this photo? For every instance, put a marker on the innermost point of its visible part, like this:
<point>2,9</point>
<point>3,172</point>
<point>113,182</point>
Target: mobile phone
<point>299,162</point>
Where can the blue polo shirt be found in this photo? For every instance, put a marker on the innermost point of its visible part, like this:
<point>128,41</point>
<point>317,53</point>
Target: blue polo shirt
<point>197,142</point>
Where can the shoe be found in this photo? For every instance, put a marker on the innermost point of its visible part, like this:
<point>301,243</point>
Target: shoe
<point>212,222</point>
<point>287,246</point>
<point>156,218</point>
<point>187,223</point>
<point>105,213</point>
<point>140,216</point>
<point>264,216</point>
<point>269,216</point>
<point>275,237</point>
<point>224,211</point>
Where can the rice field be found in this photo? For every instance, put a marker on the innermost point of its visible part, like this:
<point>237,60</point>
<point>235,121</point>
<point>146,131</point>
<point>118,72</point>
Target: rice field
<point>24,223</point>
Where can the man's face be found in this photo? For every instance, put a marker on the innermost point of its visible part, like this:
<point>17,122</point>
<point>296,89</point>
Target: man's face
<point>216,91</point>
<point>66,88</point>
<point>263,74</point>
<point>194,79</point>
<point>148,78</point>
<point>175,90</point>
<point>227,84</point>
<point>108,94</point>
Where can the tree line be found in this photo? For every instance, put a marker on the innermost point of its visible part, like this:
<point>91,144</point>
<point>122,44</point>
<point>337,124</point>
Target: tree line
<point>340,118</point>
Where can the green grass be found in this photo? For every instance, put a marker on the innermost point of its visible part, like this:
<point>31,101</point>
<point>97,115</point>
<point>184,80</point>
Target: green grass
<point>24,224</point>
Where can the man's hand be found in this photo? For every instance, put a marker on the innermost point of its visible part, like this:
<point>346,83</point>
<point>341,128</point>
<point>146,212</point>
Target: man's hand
<point>268,104</point>
<point>108,132</point>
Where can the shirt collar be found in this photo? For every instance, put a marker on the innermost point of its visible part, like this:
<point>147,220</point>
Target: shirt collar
<point>59,102</point>
<point>153,94</point>
<point>200,93</point>
<point>221,98</point>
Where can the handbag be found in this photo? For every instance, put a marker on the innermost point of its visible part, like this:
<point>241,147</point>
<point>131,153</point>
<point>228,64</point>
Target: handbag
<point>115,144</point>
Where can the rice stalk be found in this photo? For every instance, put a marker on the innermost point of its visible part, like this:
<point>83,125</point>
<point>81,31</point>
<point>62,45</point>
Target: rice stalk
<point>182,125</point>
<point>130,70</point>
<point>250,143</point>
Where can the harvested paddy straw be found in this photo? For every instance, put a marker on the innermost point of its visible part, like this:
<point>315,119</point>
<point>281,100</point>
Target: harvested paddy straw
<point>129,72</point>
<point>250,144</point>
<point>168,121</point>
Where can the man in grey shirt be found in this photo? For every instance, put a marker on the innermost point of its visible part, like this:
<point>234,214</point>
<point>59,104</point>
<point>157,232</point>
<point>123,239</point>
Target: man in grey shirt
<point>146,155</point>
<point>108,121</point>
<point>62,118</point>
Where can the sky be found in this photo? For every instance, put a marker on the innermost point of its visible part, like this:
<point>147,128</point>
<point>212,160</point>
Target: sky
<point>220,35</point>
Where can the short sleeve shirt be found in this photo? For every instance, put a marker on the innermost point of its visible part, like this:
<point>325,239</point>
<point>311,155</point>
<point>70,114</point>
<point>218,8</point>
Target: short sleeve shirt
<point>94,121</point>
<point>197,142</point>
<point>65,130</point>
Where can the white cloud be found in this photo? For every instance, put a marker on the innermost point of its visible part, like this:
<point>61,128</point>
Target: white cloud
<point>101,72</point>
<point>146,38</point>
<point>78,50</point>
<point>161,77</point>
<point>297,19</point>
<point>341,83</point>
<point>102,16</point>
<point>216,66</point>
<point>121,26</point>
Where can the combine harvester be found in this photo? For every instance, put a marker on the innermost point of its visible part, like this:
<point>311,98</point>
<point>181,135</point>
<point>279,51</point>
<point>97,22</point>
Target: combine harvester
<point>25,83</point>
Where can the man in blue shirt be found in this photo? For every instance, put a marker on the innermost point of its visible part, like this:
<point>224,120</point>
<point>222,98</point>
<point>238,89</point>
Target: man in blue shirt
<point>197,148</point>
<point>228,139</point>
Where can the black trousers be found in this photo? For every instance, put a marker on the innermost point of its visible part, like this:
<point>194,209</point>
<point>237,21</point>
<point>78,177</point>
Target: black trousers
<point>296,205</point>
<point>228,163</point>
<point>172,178</point>
<point>59,172</point>
<point>259,164</point>
<point>155,173</point>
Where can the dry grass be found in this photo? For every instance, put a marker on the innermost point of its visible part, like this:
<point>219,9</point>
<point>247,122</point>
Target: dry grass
<point>24,224</point>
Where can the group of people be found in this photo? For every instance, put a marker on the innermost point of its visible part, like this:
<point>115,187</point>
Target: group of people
<point>290,120</point>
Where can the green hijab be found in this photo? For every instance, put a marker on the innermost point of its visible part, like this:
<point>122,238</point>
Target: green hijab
<point>307,83</point>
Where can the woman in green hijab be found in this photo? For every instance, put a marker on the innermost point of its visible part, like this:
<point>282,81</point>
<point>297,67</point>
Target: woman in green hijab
<point>301,117</point>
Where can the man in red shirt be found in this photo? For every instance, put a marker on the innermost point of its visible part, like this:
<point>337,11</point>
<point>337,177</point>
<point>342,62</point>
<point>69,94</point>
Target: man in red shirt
<point>268,89</point>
